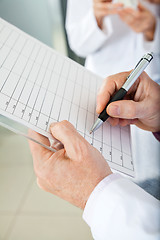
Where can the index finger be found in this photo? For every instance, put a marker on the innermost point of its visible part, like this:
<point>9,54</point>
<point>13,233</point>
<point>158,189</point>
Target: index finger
<point>110,85</point>
<point>129,11</point>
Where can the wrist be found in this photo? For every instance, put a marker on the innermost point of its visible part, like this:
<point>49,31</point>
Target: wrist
<point>91,187</point>
<point>99,22</point>
<point>89,209</point>
<point>149,32</point>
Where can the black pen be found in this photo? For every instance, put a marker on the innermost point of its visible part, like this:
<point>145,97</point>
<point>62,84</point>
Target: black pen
<point>139,68</point>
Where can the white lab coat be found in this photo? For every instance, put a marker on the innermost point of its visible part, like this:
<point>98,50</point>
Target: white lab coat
<point>115,49</point>
<point>123,210</point>
<point>119,209</point>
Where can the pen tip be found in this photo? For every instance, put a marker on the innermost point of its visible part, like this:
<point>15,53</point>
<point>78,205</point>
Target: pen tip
<point>90,132</point>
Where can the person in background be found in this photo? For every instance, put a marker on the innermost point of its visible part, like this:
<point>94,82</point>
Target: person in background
<point>114,207</point>
<point>154,1</point>
<point>114,38</point>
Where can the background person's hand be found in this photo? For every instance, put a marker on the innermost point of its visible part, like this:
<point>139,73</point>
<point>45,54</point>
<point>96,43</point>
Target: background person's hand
<point>72,172</point>
<point>154,1</point>
<point>143,109</point>
<point>140,20</point>
<point>103,8</point>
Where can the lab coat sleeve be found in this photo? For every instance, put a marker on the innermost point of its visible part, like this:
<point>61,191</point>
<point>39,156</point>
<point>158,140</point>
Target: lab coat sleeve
<point>84,35</point>
<point>153,46</point>
<point>119,209</point>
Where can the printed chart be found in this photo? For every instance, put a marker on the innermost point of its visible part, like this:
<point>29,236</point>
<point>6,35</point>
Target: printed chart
<point>39,86</point>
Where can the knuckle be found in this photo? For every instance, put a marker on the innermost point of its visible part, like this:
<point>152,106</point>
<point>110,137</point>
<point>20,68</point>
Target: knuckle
<point>108,79</point>
<point>82,150</point>
<point>37,171</point>
<point>63,124</point>
<point>131,110</point>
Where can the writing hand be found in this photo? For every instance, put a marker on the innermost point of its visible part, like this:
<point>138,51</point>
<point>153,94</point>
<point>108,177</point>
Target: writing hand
<point>140,107</point>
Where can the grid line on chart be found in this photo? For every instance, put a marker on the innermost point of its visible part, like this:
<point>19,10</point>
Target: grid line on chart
<point>49,90</point>
<point>50,117</point>
<point>102,139</point>
<point>64,89</point>
<point>6,39</point>
<point>55,96</point>
<point>34,84</point>
<point>94,120</point>
<point>72,96</point>
<point>42,84</point>
<point>82,133</point>
<point>79,130</point>
<point>17,85</point>
<point>2,28</point>
<point>12,48</point>
<point>87,111</point>
<point>131,151</point>
<point>79,101</point>
<point>9,76</point>
<point>121,145</point>
<point>7,36</point>
<point>10,70</point>
<point>23,89</point>
<point>40,112</point>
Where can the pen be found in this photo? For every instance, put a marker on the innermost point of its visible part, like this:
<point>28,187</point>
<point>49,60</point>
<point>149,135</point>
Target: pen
<point>139,68</point>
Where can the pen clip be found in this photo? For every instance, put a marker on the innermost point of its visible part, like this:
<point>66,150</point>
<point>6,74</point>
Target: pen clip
<point>138,63</point>
<point>135,68</point>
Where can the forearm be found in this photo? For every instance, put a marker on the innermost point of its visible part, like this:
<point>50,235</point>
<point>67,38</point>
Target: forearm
<point>85,37</point>
<point>153,45</point>
<point>118,208</point>
<point>149,33</point>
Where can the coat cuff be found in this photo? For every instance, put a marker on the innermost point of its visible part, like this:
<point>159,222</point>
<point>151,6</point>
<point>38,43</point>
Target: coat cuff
<point>92,36</point>
<point>92,201</point>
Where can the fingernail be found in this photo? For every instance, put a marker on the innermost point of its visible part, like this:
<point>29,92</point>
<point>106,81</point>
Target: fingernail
<point>114,110</point>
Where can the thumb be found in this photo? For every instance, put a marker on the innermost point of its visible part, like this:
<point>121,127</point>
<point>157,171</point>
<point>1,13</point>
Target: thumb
<point>126,109</point>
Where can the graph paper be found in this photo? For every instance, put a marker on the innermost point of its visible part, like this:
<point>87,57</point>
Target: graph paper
<point>39,86</point>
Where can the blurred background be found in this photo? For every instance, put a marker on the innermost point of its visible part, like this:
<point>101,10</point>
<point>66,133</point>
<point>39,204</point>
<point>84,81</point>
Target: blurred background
<point>26,212</point>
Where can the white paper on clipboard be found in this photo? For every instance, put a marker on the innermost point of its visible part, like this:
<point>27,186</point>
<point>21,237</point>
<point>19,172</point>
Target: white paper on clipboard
<point>39,86</point>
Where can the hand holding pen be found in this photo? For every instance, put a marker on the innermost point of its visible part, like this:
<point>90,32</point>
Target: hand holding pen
<point>73,172</point>
<point>126,112</point>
